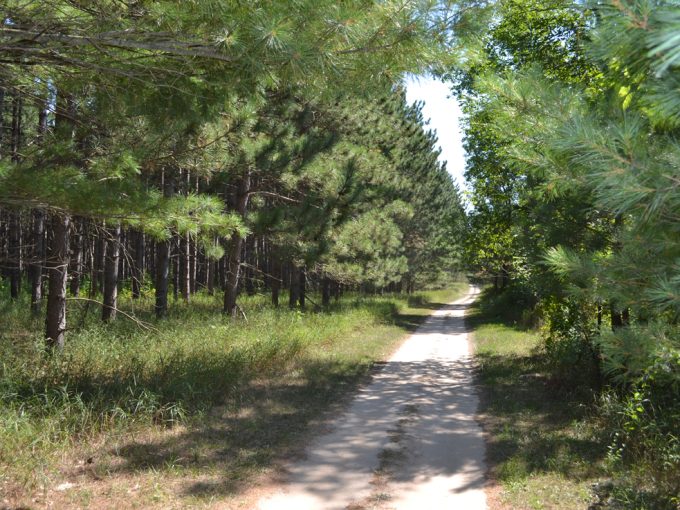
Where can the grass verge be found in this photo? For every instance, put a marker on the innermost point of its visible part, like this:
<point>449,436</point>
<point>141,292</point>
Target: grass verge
<point>189,413</point>
<point>544,446</point>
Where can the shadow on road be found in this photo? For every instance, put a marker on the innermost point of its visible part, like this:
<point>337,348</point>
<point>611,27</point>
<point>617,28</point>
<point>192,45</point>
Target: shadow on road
<point>268,423</point>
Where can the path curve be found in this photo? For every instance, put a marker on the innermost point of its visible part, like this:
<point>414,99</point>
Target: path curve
<point>409,439</point>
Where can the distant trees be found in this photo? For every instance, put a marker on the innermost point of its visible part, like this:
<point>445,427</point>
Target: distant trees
<point>172,149</point>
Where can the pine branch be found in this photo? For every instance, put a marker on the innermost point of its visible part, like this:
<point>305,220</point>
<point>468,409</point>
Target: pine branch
<point>173,47</point>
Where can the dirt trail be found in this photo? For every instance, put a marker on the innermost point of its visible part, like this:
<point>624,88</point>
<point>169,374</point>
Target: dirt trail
<point>409,439</point>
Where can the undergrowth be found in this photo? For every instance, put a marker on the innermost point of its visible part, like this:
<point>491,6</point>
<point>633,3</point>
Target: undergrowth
<point>112,379</point>
<point>556,439</point>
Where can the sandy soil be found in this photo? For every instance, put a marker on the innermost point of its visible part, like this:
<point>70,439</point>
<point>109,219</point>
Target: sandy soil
<point>409,439</point>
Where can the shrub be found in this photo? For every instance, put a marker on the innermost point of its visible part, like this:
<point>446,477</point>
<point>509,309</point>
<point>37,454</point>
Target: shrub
<point>643,411</point>
<point>569,333</point>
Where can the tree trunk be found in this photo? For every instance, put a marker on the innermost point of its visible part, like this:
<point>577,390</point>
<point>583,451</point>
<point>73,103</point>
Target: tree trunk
<point>55,322</point>
<point>163,261</point>
<point>17,104</point>
<point>174,260</point>
<point>14,216</point>
<point>98,262</point>
<point>250,260</point>
<point>38,259</point>
<point>194,267</point>
<point>618,319</point>
<point>111,274</point>
<point>303,287</point>
<point>294,295</point>
<point>275,281</point>
<point>162,277</point>
<point>336,291</point>
<point>38,229</point>
<point>138,265</point>
<point>233,262</point>
<point>92,244</point>
<point>150,260</point>
<point>14,249</point>
<point>122,258</point>
<point>325,291</point>
<point>210,270</point>
<point>233,273</point>
<point>76,259</point>
<point>185,267</point>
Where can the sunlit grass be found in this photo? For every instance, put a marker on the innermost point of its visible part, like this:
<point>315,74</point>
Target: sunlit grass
<point>197,393</point>
<point>544,448</point>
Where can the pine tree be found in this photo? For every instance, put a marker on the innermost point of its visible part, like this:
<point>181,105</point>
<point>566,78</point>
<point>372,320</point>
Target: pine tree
<point>140,88</point>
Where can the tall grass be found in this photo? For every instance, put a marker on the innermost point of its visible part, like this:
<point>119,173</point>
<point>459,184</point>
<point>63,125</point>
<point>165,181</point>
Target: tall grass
<point>113,378</point>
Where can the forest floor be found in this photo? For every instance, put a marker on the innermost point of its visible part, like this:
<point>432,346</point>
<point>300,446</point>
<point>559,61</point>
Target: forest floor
<point>409,439</point>
<point>199,412</point>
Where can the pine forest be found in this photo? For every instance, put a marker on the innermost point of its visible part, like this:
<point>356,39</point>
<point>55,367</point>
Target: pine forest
<point>223,221</point>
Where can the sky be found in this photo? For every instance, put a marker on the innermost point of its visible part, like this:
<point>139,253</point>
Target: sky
<point>443,113</point>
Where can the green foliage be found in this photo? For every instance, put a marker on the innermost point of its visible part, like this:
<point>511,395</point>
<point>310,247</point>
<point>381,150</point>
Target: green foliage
<point>134,104</point>
<point>646,441</point>
<point>569,333</point>
<point>394,136</point>
<point>572,134</point>
<point>643,352</point>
